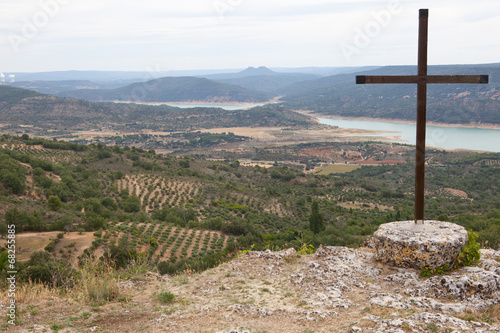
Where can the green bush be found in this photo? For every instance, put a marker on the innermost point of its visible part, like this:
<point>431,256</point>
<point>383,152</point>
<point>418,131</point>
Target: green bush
<point>470,254</point>
<point>166,297</point>
<point>131,204</point>
<point>54,203</point>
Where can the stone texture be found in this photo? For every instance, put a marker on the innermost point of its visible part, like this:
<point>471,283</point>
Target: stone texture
<point>406,244</point>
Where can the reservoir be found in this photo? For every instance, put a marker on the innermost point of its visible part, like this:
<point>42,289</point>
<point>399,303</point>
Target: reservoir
<point>215,105</point>
<point>436,136</point>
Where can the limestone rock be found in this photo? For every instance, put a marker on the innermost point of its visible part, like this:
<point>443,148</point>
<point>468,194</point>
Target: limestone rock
<point>406,244</point>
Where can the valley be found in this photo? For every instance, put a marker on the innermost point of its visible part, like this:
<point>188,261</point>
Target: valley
<point>107,198</point>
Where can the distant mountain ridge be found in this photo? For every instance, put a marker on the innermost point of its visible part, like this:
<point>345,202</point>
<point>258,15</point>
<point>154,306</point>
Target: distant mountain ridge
<point>54,87</point>
<point>336,95</point>
<point>173,89</point>
<point>252,71</point>
<point>262,79</point>
<point>155,73</point>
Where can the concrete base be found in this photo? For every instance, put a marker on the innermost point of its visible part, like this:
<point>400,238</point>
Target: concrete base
<point>431,244</point>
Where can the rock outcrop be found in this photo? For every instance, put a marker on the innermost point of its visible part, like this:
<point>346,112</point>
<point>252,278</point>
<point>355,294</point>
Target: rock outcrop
<point>406,244</point>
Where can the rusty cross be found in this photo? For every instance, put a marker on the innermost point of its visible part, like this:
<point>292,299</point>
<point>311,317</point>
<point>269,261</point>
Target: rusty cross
<point>421,79</point>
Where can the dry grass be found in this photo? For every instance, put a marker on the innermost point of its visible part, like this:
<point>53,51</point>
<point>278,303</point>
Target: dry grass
<point>334,168</point>
<point>364,205</point>
<point>225,297</point>
<point>27,243</point>
<point>489,315</point>
<point>30,292</point>
<point>98,283</point>
<point>73,245</point>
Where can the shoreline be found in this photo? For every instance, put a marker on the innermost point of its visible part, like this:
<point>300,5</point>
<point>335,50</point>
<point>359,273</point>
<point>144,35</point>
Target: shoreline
<point>244,104</point>
<point>315,116</point>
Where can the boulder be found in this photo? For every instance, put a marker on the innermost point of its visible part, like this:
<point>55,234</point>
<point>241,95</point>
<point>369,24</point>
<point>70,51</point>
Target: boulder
<point>410,245</point>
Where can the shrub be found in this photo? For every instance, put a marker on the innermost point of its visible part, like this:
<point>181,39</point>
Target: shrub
<point>131,204</point>
<point>54,203</point>
<point>166,297</point>
<point>470,254</point>
<point>98,282</point>
<point>49,247</point>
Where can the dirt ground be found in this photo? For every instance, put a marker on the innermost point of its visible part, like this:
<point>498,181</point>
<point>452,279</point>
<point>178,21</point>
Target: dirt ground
<point>27,243</point>
<point>321,133</point>
<point>335,290</point>
<point>73,244</point>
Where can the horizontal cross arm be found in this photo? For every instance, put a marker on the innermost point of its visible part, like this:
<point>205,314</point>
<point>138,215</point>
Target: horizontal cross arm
<point>387,79</point>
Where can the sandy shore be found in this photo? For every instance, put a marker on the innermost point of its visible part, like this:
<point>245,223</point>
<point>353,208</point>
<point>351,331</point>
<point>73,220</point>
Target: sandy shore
<point>429,123</point>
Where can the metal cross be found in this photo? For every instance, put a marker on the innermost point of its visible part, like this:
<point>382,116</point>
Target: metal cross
<point>421,79</point>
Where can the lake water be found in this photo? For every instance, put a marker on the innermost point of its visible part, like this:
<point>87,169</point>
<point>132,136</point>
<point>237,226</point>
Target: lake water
<point>436,136</point>
<point>222,106</point>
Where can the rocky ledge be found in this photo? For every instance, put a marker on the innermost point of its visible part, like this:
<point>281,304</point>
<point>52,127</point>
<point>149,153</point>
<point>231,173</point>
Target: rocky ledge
<point>337,289</point>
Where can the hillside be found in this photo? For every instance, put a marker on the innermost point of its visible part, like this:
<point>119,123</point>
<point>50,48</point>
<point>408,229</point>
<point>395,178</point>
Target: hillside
<point>454,104</point>
<point>250,71</point>
<point>173,89</point>
<point>105,216</point>
<point>336,95</point>
<point>19,107</point>
<point>135,191</point>
<point>262,79</point>
<point>271,84</point>
<point>10,96</point>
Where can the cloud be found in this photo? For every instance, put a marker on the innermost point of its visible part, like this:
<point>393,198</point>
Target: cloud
<point>133,34</point>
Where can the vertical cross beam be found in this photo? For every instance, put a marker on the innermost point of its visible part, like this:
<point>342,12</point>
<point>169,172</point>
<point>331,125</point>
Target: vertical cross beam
<point>423,25</point>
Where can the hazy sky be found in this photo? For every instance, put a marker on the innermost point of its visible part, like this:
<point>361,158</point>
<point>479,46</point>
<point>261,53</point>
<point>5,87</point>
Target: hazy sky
<point>47,35</point>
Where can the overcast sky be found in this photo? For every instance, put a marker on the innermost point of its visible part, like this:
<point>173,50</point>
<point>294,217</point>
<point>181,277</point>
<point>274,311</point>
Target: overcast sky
<point>48,35</point>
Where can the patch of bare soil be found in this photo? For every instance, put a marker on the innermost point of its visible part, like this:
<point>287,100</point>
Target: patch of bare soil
<point>364,205</point>
<point>455,193</point>
<point>72,245</point>
<point>27,243</point>
<point>375,162</point>
<point>320,133</point>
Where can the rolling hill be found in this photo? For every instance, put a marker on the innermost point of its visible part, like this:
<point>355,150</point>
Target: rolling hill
<point>26,107</point>
<point>262,79</point>
<point>270,84</point>
<point>336,95</point>
<point>455,104</point>
<point>173,89</point>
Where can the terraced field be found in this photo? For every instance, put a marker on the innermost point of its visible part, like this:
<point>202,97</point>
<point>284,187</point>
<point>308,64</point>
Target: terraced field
<point>173,242</point>
<point>156,191</point>
<point>50,155</point>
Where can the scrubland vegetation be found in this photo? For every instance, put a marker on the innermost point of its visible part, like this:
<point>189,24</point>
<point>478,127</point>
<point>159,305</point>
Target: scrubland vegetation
<point>168,214</point>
